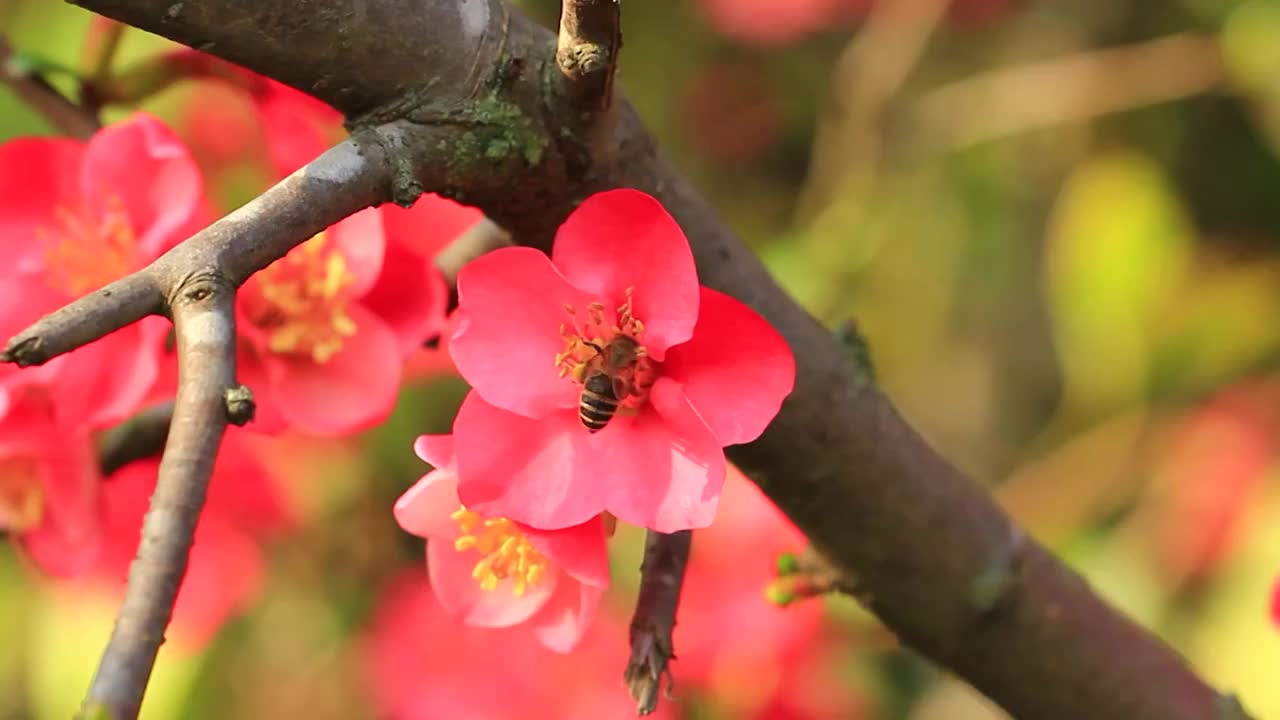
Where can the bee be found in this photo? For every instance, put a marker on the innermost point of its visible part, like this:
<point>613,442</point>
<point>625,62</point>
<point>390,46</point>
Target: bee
<point>607,386</point>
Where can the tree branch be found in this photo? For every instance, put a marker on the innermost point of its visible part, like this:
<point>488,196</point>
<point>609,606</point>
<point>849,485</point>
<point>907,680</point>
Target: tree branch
<point>203,309</point>
<point>195,284</point>
<point>64,115</point>
<point>587,49</point>
<point>141,436</point>
<point>661,577</point>
<point>871,494</point>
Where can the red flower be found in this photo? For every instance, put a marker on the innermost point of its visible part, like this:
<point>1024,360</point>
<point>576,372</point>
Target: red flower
<point>421,664</point>
<point>76,216</point>
<point>327,328</point>
<point>731,564</point>
<point>493,572</point>
<point>707,372</point>
<point>226,570</point>
<point>49,484</point>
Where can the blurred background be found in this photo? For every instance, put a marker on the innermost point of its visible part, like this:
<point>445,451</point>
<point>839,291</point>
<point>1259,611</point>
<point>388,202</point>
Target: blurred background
<point>1056,223</point>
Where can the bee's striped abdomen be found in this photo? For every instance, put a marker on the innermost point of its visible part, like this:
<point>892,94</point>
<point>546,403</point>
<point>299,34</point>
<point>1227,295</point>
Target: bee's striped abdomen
<point>598,403</point>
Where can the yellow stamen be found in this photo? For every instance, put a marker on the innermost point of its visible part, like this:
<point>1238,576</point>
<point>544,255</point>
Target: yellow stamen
<point>21,495</point>
<point>504,549</point>
<point>88,256</point>
<point>300,302</point>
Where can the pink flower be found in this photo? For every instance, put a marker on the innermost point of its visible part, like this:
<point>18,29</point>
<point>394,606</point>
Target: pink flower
<point>76,216</point>
<point>49,483</point>
<point>227,570</point>
<point>705,372</point>
<point>421,664</point>
<point>731,564</point>
<point>492,572</point>
<point>326,330</point>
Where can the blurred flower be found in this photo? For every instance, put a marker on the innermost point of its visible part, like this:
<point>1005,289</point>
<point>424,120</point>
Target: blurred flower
<point>327,328</point>
<point>49,483</point>
<point>226,570</point>
<point>492,572</point>
<point>1211,475</point>
<point>732,563</point>
<point>731,115</point>
<point>697,371</point>
<point>781,22</point>
<point>421,664</point>
<point>75,217</point>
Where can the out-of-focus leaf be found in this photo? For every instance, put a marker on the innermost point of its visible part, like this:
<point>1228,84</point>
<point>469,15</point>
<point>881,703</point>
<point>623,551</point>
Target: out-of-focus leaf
<point>1119,247</point>
<point>67,635</point>
<point>1118,570</point>
<point>1235,643</point>
<point>1249,48</point>
<point>1078,482</point>
<point>952,699</point>
<point>1222,324</point>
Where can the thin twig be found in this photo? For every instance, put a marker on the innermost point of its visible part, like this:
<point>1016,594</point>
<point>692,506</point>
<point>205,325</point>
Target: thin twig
<point>1068,90</point>
<point>348,177</point>
<point>195,284</point>
<point>64,115</point>
<point>477,240</point>
<point>587,49</point>
<point>661,576</point>
<point>141,436</point>
<point>204,317</point>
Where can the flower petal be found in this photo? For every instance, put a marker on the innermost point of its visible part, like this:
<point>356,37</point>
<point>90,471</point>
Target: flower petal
<point>581,550</point>
<point>432,223</point>
<point>511,304</point>
<point>356,388</point>
<point>516,467</point>
<point>410,296</point>
<point>145,166</point>
<point>106,381</point>
<point>736,370</point>
<point>623,239</point>
<point>69,538</point>
<point>37,175</point>
<point>437,450</point>
<point>360,239</point>
<point>461,595</point>
<point>251,370</point>
<point>568,614</point>
<point>667,469</point>
<point>298,127</point>
<point>425,509</point>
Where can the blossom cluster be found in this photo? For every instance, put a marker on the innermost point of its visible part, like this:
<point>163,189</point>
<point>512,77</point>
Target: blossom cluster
<point>605,380</point>
<point>606,383</point>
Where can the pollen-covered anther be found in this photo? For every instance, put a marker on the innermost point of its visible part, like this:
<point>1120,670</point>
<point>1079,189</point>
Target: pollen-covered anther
<point>303,306</point>
<point>21,495</point>
<point>504,549</point>
<point>88,256</point>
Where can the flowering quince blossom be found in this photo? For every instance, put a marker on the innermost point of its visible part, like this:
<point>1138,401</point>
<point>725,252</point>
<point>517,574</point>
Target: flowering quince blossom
<point>706,372</point>
<point>49,482</point>
<point>227,570</point>
<point>326,329</point>
<point>76,216</point>
<point>492,572</point>
<point>421,664</point>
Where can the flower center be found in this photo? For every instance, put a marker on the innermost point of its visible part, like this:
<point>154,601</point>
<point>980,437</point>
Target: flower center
<point>88,256</point>
<point>300,303</point>
<point>504,550</point>
<point>593,346</point>
<point>21,495</point>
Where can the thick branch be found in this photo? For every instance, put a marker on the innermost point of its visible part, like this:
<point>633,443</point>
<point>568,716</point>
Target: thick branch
<point>204,320</point>
<point>661,577</point>
<point>34,90</point>
<point>920,539</point>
